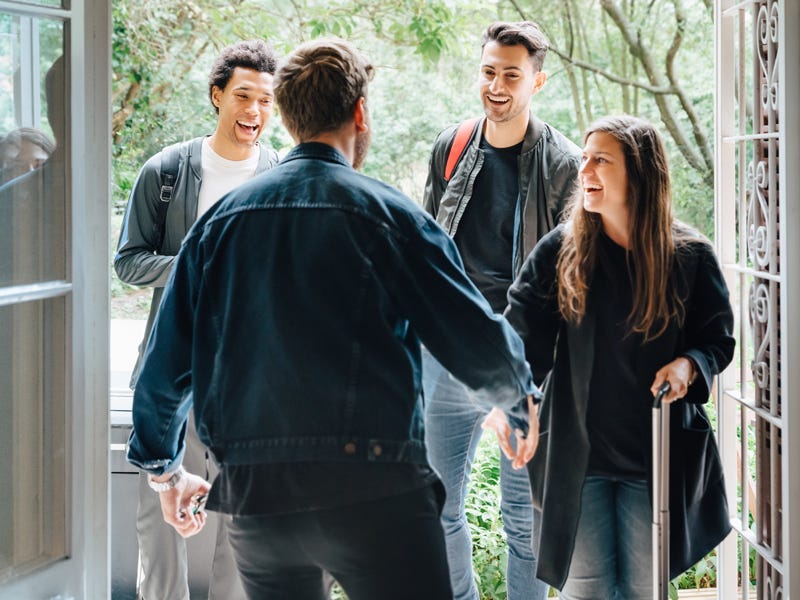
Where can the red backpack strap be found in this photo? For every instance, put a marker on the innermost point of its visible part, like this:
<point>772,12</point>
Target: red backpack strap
<point>463,133</point>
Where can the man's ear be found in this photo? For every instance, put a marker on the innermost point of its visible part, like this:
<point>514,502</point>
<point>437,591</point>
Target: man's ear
<point>216,91</point>
<point>360,115</point>
<point>539,80</point>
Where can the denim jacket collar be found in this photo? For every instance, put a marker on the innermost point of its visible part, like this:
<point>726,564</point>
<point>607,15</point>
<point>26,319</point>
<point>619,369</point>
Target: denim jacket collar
<point>317,150</point>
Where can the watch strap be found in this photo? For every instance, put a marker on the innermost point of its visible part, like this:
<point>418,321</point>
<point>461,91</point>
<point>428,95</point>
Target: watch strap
<point>163,486</point>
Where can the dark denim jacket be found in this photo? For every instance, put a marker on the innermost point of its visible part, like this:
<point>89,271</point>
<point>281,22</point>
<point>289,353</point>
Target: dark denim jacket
<point>293,321</point>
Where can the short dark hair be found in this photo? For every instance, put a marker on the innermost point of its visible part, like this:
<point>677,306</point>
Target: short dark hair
<point>249,54</point>
<point>520,33</point>
<point>319,85</point>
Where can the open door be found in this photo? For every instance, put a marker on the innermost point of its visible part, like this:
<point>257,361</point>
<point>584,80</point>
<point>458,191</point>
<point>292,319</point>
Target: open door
<point>54,190</point>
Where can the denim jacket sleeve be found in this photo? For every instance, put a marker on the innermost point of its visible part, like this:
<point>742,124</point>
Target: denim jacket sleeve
<point>137,261</point>
<point>456,323</point>
<point>162,398</point>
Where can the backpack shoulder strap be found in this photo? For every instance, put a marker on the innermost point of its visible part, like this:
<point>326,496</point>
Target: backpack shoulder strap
<point>460,140</point>
<point>170,157</point>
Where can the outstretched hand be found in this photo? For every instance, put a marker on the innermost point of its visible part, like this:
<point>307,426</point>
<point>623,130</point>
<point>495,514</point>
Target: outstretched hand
<point>178,505</point>
<point>525,445</point>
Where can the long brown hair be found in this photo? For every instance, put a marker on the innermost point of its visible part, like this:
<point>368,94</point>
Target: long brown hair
<point>653,233</point>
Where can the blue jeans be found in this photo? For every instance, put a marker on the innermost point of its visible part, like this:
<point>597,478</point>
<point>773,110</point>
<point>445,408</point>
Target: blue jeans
<point>452,432</point>
<point>613,548</point>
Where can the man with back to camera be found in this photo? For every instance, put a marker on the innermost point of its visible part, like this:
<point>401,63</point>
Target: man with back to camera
<point>507,189</point>
<point>158,216</point>
<point>292,324</point>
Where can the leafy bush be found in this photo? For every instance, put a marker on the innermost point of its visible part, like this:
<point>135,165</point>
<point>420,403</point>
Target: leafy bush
<point>489,551</point>
<point>489,554</point>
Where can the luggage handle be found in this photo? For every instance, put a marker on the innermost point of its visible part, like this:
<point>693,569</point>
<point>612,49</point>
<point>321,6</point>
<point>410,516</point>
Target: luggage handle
<point>661,494</point>
<point>662,391</point>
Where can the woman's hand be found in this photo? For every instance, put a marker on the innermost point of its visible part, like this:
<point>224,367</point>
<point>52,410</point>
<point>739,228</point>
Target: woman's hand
<point>526,445</point>
<point>496,421</point>
<point>680,373</point>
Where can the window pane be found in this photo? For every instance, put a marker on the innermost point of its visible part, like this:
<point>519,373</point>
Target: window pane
<point>33,151</point>
<point>32,435</point>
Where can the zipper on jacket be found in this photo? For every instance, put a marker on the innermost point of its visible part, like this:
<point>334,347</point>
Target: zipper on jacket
<point>461,206</point>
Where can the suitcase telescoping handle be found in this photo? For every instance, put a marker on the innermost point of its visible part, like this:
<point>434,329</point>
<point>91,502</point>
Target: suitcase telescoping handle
<point>661,494</point>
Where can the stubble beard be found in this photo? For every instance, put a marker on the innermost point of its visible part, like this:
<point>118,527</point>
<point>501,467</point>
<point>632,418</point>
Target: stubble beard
<point>362,147</point>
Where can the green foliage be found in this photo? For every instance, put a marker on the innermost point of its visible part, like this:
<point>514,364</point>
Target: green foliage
<point>700,576</point>
<point>161,54</point>
<point>426,53</point>
<point>581,30</point>
<point>489,555</point>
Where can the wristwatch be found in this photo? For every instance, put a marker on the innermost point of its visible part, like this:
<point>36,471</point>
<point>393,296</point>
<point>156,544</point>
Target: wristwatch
<point>163,486</point>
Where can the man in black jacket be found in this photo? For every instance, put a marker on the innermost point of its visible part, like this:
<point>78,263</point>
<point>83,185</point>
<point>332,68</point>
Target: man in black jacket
<point>506,191</point>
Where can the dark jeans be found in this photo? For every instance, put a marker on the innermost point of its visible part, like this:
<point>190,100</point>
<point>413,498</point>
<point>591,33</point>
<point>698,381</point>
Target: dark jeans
<point>387,549</point>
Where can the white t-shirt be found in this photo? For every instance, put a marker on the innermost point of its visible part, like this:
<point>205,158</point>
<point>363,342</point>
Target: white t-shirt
<point>221,175</point>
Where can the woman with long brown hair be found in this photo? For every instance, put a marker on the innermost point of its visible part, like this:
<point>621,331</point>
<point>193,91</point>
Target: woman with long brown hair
<point>617,300</point>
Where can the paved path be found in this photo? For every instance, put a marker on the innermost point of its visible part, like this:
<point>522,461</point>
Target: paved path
<point>126,335</point>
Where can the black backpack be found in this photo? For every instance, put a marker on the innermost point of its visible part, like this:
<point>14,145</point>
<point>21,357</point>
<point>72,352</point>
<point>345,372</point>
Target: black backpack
<point>169,173</point>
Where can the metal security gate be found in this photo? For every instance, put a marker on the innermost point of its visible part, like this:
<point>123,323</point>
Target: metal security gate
<point>758,237</point>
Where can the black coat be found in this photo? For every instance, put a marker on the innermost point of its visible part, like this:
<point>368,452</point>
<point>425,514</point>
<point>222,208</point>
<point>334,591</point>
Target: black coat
<point>562,354</point>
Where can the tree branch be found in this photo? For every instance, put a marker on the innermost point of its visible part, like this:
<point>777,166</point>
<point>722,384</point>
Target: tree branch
<point>697,129</point>
<point>653,89</point>
<point>668,117</point>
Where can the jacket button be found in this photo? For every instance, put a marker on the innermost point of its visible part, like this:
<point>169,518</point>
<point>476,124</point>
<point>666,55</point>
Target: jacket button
<point>350,448</point>
<point>377,450</point>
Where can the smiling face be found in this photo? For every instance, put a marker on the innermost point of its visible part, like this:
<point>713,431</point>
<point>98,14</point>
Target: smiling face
<point>507,82</point>
<point>604,180</point>
<point>245,107</point>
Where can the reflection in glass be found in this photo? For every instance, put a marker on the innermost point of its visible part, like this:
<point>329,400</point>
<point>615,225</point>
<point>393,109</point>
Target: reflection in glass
<point>23,150</point>
<point>33,144</point>
<point>32,435</point>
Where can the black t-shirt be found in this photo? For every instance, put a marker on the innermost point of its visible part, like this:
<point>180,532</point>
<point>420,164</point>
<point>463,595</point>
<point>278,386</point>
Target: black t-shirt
<point>283,488</point>
<point>485,236</point>
<point>616,414</point>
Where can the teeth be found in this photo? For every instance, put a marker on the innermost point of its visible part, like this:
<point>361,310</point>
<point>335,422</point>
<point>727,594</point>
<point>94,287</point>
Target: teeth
<point>495,99</point>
